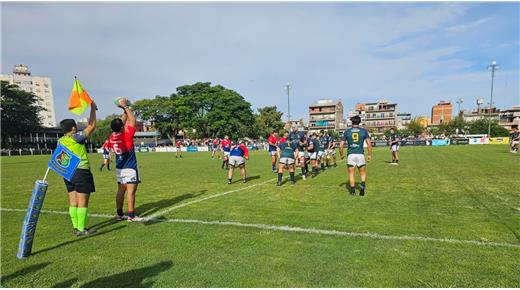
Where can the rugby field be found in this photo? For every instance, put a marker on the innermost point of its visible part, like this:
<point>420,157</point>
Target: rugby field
<point>445,217</point>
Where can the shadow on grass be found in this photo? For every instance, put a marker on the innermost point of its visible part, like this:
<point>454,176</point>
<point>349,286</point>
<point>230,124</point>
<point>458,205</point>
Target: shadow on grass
<point>152,207</point>
<point>66,283</point>
<point>346,185</point>
<point>133,278</point>
<point>24,271</point>
<point>76,240</point>
<point>248,179</point>
<point>104,224</point>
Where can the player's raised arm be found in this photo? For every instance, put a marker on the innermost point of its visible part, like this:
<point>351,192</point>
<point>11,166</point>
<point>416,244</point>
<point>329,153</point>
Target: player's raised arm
<point>130,121</point>
<point>124,117</point>
<point>91,120</point>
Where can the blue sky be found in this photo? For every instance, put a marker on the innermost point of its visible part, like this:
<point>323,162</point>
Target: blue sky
<point>415,54</point>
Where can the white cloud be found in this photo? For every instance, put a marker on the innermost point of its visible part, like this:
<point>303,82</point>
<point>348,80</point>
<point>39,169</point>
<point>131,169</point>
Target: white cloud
<point>456,29</point>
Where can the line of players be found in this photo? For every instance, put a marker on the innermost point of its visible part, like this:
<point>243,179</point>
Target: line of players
<point>296,149</point>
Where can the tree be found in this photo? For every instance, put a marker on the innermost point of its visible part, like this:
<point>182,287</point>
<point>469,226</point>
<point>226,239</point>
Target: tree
<point>268,119</point>
<point>209,110</point>
<point>334,134</point>
<point>103,130</point>
<point>414,128</point>
<point>165,112</point>
<point>19,110</point>
<point>480,126</point>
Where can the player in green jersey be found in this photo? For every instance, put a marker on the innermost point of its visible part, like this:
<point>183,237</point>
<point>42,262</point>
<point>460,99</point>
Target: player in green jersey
<point>300,141</point>
<point>324,146</point>
<point>287,154</point>
<point>355,137</point>
<point>393,140</point>
<point>314,149</point>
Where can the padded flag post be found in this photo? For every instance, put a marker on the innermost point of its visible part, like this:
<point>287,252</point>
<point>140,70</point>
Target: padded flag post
<point>31,219</point>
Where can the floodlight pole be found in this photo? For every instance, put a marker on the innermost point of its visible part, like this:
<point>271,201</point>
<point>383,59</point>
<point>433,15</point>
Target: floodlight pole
<point>288,88</point>
<point>493,66</point>
<point>459,101</point>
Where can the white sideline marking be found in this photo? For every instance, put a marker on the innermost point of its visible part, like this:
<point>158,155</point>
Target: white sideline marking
<point>160,213</point>
<point>304,230</point>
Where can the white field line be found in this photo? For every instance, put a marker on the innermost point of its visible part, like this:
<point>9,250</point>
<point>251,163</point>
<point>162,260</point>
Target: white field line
<point>305,230</point>
<point>160,213</point>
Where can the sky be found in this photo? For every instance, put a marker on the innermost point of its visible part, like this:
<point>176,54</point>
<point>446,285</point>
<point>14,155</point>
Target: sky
<point>415,54</point>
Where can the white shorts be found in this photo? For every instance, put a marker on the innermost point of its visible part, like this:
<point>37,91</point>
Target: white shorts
<point>127,176</point>
<point>321,153</point>
<point>272,153</point>
<point>394,148</point>
<point>515,142</point>
<point>178,149</point>
<point>313,155</point>
<point>330,152</point>
<point>285,160</point>
<point>236,161</point>
<point>226,153</point>
<point>302,154</point>
<point>357,160</point>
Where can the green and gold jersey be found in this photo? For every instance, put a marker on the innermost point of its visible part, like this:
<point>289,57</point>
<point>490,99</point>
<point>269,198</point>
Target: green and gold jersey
<point>355,137</point>
<point>287,150</point>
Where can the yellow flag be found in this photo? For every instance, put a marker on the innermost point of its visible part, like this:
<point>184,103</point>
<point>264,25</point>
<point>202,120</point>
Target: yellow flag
<point>79,99</point>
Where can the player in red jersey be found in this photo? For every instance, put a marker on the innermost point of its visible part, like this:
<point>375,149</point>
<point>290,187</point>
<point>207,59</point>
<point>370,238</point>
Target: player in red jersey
<point>121,142</point>
<point>178,148</point>
<point>273,146</point>
<point>106,156</point>
<point>238,156</point>
<point>284,138</point>
<point>225,147</point>
<point>215,148</point>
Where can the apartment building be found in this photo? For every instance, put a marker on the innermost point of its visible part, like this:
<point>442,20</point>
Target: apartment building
<point>40,86</point>
<point>326,115</point>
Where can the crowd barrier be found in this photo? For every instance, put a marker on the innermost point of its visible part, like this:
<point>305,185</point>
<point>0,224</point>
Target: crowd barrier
<point>440,142</point>
<point>478,140</point>
<point>459,141</point>
<point>375,143</point>
<point>499,140</point>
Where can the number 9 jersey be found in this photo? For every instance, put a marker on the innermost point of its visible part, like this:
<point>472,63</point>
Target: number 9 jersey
<point>355,137</point>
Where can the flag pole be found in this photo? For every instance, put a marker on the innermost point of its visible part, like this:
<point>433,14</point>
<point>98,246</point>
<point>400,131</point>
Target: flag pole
<point>46,173</point>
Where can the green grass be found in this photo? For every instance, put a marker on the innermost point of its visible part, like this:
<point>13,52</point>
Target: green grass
<point>457,192</point>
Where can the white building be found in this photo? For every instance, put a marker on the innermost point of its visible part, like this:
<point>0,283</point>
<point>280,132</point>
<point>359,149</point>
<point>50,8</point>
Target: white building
<point>325,115</point>
<point>403,119</point>
<point>356,112</point>
<point>509,117</point>
<point>40,86</point>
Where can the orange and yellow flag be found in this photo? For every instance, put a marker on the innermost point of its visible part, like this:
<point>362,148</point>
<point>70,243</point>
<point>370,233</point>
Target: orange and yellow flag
<point>79,99</point>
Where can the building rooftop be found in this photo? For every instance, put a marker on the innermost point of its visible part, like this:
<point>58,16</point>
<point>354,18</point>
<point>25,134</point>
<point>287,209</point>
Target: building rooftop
<point>21,70</point>
<point>380,102</point>
<point>321,103</point>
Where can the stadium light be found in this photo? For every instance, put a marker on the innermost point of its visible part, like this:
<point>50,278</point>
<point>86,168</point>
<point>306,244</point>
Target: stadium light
<point>492,67</point>
<point>288,88</point>
<point>459,102</point>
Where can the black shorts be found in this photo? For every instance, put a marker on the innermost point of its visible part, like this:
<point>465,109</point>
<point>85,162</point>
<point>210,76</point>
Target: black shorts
<point>82,181</point>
